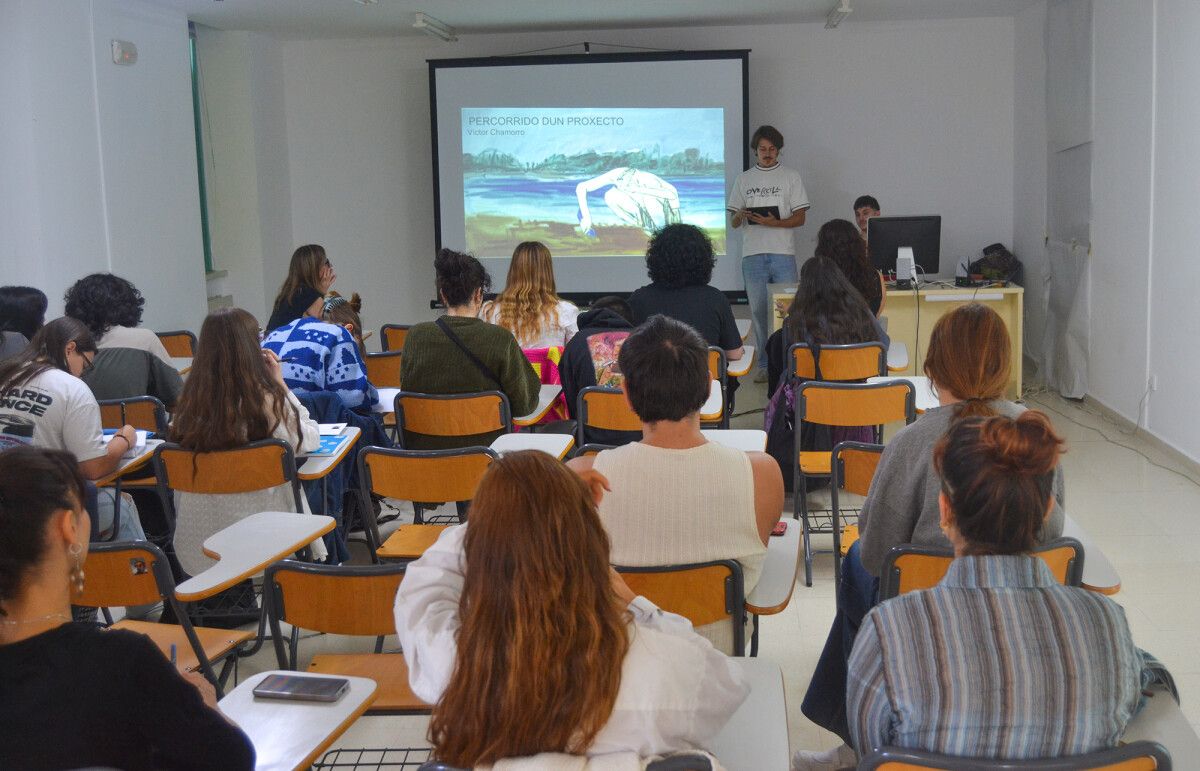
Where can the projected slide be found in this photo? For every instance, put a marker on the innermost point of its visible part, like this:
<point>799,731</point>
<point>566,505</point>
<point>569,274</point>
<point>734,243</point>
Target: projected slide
<point>587,181</point>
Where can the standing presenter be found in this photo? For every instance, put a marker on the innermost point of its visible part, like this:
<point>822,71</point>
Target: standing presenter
<point>769,200</point>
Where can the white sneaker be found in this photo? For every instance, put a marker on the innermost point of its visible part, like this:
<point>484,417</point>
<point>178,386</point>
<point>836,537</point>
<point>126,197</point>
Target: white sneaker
<point>829,760</point>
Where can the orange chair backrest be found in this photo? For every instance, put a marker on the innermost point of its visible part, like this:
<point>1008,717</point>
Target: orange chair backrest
<point>242,470</point>
<point>392,336</point>
<point>608,410</point>
<point>116,578</point>
<point>924,571</point>
<point>856,405</point>
<point>415,478</point>
<point>469,415</point>
<point>838,364</point>
<point>698,594</point>
<point>179,345</point>
<point>383,369</point>
<point>339,604</point>
<point>857,469</point>
<point>141,414</point>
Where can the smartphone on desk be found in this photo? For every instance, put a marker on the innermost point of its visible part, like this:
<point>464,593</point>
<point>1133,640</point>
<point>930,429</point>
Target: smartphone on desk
<point>780,528</point>
<point>298,688</point>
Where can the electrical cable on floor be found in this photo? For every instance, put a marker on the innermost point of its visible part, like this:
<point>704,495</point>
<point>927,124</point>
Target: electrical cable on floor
<point>748,412</point>
<point>1112,441</point>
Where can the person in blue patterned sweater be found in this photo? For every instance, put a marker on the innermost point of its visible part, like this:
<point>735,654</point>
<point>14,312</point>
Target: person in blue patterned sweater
<point>325,356</point>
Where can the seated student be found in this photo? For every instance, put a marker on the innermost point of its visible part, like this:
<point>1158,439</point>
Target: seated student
<point>132,360</point>
<point>44,403</point>
<point>968,363</point>
<point>324,355</point>
<point>826,310</point>
<point>234,395</point>
<point>520,607</point>
<point>677,497</point>
<point>865,207</point>
<point>590,359</point>
<point>839,241</point>
<point>460,353</point>
<point>310,275</point>
<point>929,667</point>
<point>76,695</point>
<point>529,306</point>
<point>679,261</point>
<point>22,313</point>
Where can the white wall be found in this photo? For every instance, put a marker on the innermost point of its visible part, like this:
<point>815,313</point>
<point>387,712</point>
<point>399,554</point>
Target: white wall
<point>98,161</point>
<point>919,114</point>
<point>245,149</point>
<point>1122,139</point>
<point>1174,267</point>
<point>1030,169</point>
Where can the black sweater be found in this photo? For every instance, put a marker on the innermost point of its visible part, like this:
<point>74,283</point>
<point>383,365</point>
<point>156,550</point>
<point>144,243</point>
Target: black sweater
<point>80,696</point>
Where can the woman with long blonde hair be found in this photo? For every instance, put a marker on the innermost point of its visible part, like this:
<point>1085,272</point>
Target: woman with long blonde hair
<point>529,306</point>
<point>310,275</point>
<point>524,638</point>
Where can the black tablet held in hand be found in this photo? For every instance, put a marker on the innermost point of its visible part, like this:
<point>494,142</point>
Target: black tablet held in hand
<point>765,211</point>
<point>300,688</point>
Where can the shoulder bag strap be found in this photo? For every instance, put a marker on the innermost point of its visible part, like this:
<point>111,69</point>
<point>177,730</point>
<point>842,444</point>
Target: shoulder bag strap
<point>487,372</point>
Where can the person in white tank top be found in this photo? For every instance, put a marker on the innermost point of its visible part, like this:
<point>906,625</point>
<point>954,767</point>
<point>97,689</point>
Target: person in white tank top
<point>674,497</point>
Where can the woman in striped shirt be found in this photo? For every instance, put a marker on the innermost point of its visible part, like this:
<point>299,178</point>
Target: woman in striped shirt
<point>998,660</point>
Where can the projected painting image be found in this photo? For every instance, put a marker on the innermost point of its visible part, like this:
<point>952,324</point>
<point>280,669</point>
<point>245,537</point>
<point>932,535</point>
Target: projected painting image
<point>589,182</point>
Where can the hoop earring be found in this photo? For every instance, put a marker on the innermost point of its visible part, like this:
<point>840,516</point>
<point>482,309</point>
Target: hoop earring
<point>77,575</point>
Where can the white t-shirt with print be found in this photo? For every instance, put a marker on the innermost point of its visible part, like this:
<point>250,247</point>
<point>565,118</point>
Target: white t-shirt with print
<point>777,186</point>
<point>55,410</point>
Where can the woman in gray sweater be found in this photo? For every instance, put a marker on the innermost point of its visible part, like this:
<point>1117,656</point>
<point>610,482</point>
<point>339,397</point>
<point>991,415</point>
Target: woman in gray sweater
<point>968,365</point>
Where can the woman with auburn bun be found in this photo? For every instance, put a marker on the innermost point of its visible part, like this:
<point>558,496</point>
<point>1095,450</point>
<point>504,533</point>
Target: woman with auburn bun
<point>529,306</point>
<point>968,365</point>
<point>527,642</point>
<point>1052,670</point>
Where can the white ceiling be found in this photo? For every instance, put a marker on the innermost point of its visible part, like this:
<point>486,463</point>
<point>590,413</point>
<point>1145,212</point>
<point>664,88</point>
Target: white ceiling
<point>299,19</point>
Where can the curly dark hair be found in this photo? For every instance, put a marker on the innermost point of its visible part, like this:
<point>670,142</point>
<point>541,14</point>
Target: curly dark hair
<point>458,276</point>
<point>680,255</point>
<point>103,301</point>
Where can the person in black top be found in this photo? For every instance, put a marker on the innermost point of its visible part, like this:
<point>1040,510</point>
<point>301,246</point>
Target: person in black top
<point>75,695</point>
<point>310,275</point>
<point>590,358</point>
<point>680,261</point>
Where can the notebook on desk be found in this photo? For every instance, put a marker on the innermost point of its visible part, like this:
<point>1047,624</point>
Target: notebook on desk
<point>329,445</point>
<point>139,444</point>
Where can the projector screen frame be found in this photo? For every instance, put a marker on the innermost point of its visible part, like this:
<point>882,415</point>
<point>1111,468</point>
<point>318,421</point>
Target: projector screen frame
<point>743,54</point>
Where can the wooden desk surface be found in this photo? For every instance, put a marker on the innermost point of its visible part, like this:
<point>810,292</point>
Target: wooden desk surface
<point>742,366</point>
<point>1162,721</point>
<point>778,579</point>
<point>247,546</point>
<point>1098,573</point>
<point>316,466</point>
<point>292,734</point>
<point>546,396</point>
<point>744,439</point>
<point>557,445</point>
<point>756,736</point>
<point>128,464</point>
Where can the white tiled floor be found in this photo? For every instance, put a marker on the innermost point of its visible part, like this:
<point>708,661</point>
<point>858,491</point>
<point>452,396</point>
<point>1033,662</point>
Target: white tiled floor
<point>1145,517</point>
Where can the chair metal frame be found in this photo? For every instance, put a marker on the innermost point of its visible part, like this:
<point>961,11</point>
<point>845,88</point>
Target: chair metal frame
<point>592,448</point>
<point>581,412</point>
<point>165,583</point>
<point>735,592</point>
<point>836,481</point>
<point>385,339</point>
<point>505,414</point>
<point>367,486</point>
<point>799,494</point>
<point>889,579</point>
<point>720,373</point>
<point>900,759</point>
<point>176,333</point>
<point>288,469</point>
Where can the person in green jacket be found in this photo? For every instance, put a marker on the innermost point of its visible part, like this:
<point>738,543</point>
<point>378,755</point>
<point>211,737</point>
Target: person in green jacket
<point>434,363</point>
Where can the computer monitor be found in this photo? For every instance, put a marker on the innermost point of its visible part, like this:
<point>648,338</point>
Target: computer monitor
<point>887,234</point>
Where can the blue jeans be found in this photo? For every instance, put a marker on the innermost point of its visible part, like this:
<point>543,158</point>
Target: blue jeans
<point>825,702</point>
<point>758,270</point>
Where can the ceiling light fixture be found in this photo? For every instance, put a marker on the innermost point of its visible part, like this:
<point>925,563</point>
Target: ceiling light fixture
<point>431,26</point>
<point>836,15</point>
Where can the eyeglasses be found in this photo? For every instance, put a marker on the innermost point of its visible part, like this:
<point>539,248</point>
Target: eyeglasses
<point>87,362</point>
